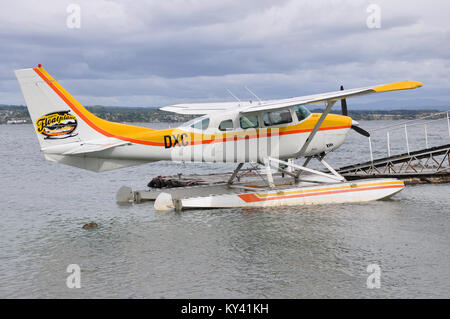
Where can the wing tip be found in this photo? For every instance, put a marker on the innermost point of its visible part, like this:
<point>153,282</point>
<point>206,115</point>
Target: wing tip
<point>403,85</point>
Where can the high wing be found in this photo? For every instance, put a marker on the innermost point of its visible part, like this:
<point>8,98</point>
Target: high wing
<point>247,107</point>
<point>202,108</point>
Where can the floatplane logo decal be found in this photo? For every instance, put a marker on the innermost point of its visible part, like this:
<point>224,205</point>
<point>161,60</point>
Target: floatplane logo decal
<point>57,125</point>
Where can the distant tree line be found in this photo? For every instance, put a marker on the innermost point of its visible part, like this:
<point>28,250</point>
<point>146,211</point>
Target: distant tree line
<point>110,113</point>
<point>152,115</point>
<point>370,115</point>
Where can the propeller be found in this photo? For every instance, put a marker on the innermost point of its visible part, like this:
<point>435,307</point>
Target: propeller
<point>355,124</point>
<point>344,104</point>
<point>360,130</point>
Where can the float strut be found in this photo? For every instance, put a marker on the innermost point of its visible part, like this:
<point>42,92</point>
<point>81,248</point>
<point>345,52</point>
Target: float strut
<point>236,171</point>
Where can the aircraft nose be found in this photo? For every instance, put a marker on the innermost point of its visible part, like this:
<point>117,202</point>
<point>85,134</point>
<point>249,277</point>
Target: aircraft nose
<point>355,122</point>
<point>340,120</point>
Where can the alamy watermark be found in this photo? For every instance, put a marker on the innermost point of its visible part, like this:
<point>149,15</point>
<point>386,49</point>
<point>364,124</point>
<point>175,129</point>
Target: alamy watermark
<point>74,279</point>
<point>252,145</point>
<point>73,20</point>
<point>373,21</point>
<point>374,279</point>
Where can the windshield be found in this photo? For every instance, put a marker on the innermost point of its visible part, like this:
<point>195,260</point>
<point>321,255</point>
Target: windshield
<point>302,112</point>
<point>198,123</point>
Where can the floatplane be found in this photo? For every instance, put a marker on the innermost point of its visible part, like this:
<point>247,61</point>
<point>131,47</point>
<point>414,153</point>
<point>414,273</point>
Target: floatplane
<point>271,133</point>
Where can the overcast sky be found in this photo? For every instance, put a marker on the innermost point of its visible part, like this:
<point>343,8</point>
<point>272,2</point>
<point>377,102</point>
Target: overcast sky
<point>155,53</point>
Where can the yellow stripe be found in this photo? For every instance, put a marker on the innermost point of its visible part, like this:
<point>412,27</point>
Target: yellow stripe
<point>157,136</point>
<point>112,127</point>
<point>328,188</point>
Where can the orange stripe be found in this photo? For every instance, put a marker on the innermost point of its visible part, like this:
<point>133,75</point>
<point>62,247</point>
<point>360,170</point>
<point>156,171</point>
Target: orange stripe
<point>285,193</point>
<point>227,139</point>
<point>250,198</point>
<point>89,122</point>
<point>129,139</point>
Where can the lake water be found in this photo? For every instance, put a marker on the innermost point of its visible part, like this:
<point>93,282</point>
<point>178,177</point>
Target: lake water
<point>136,252</point>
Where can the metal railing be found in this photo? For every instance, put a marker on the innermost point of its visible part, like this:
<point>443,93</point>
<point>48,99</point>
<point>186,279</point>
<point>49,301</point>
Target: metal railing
<point>443,116</point>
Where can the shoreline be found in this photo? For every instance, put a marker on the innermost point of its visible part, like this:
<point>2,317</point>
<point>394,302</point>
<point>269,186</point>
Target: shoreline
<point>19,114</point>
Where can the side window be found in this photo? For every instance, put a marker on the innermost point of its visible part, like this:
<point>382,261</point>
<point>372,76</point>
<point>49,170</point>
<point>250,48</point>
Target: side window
<point>249,121</point>
<point>201,125</point>
<point>278,117</point>
<point>302,112</point>
<point>226,125</point>
<point>266,119</point>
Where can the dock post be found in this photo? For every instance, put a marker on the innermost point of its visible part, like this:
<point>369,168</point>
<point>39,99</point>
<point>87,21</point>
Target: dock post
<point>406,137</point>
<point>371,153</point>
<point>448,123</point>
<point>137,197</point>
<point>388,144</point>
<point>178,205</point>
<point>426,135</point>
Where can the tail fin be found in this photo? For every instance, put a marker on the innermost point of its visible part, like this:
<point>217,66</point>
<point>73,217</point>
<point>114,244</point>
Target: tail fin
<point>53,111</point>
<point>61,123</point>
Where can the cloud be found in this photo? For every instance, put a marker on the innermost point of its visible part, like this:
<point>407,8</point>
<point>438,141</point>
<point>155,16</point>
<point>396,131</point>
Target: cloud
<point>152,53</point>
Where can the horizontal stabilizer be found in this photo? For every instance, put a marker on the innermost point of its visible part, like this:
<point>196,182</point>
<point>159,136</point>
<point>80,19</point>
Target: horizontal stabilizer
<point>84,147</point>
<point>95,164</point>
<point>89,147</point>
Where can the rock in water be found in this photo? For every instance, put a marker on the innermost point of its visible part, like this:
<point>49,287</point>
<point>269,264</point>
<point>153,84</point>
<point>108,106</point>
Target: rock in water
<point>90,225</point>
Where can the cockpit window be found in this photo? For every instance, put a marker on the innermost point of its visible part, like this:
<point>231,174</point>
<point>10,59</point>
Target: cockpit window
<point>302,112</point>
<point>226,125</point>
<point>249,121</point>
<point>201,124</point>
<point>266,119</point>
<point>277,117</point>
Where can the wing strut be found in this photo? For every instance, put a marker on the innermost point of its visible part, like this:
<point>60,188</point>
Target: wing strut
<point>316,128</point>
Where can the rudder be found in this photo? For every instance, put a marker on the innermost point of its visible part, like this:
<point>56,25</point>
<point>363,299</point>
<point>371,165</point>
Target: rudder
<point>54,121</point>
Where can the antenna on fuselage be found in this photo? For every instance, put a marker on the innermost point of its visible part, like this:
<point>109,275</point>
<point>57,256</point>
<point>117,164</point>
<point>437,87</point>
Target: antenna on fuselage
<point>251,92</point>
<point>231,93</point>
